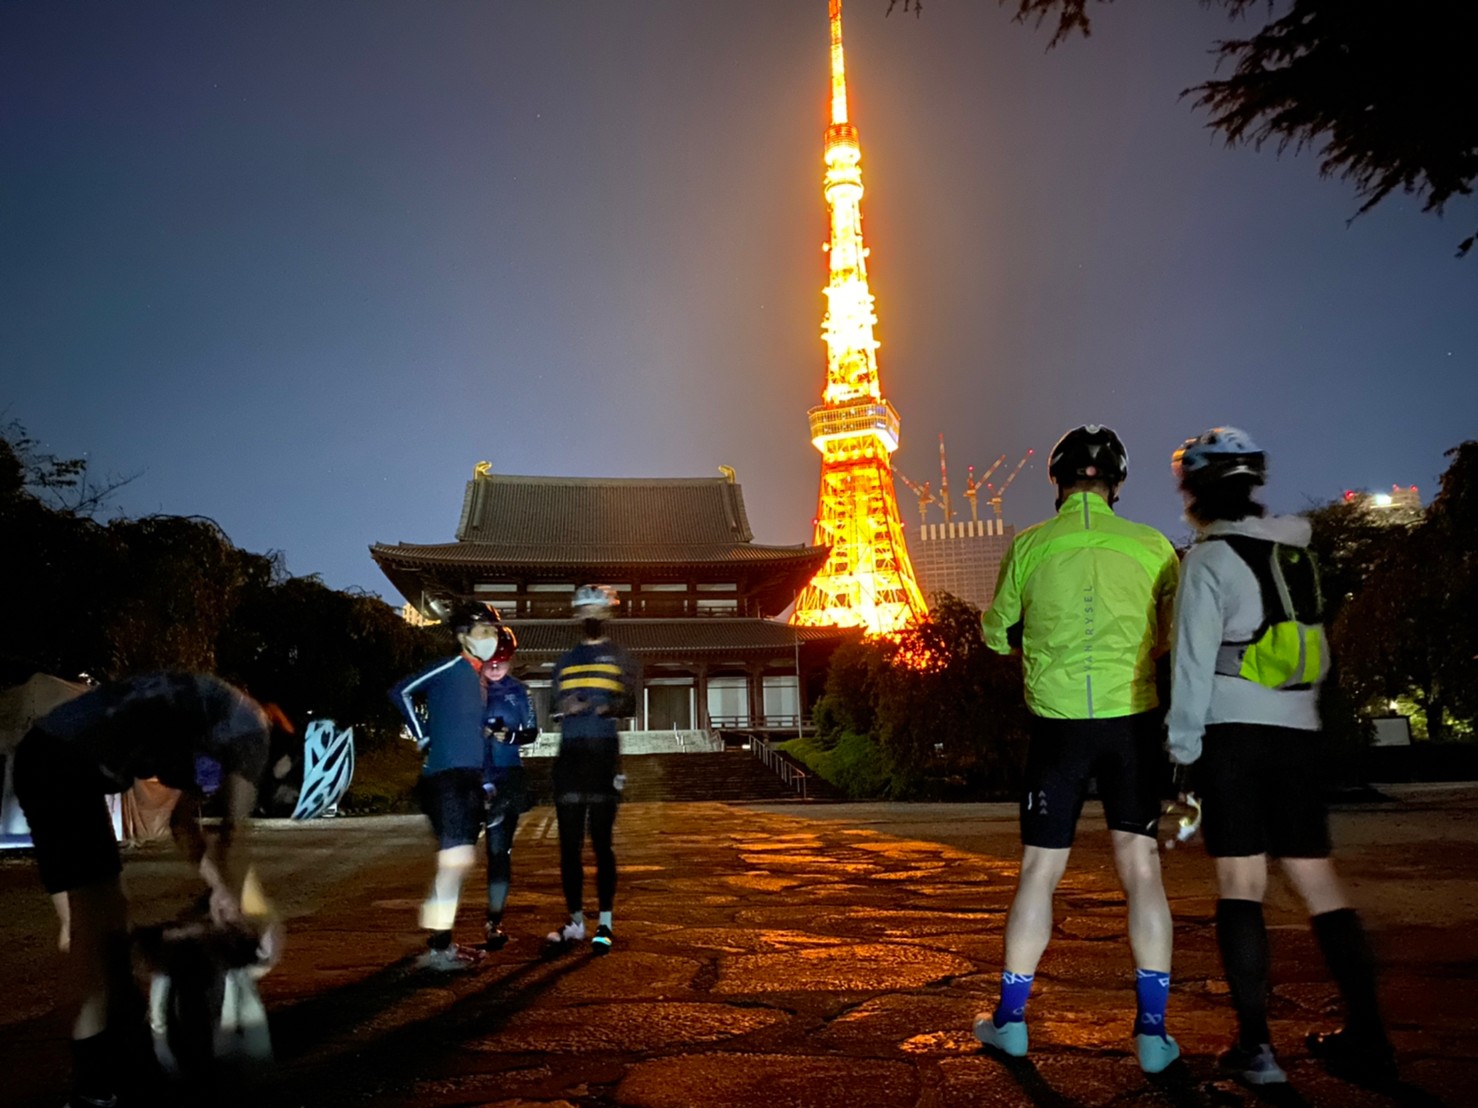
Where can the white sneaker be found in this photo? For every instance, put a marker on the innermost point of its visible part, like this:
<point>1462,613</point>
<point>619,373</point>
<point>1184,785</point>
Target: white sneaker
<point>571,932</point>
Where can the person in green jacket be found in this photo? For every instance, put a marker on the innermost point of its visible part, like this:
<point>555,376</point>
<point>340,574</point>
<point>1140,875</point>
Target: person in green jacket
<point>1088,599</point>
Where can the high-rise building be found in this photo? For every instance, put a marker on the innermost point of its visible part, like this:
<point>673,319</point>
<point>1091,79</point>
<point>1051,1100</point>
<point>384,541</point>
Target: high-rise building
<point>962,558</point>
<point>1403,504</point>
<point>867,580</point>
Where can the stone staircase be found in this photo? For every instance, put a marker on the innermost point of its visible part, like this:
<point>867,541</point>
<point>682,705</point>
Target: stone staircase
<point>731,776</point>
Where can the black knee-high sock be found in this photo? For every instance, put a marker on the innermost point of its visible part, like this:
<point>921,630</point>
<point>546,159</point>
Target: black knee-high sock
<point>1243,939</point>
<point>1352,965</point>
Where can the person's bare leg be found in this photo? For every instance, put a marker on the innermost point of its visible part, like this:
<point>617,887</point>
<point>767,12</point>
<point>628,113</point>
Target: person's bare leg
<point>1028,930</point>
<point>1151,936</point>
<point>1151,933</point>
<point>439,912</point>
<point>96,971</point>
<point>1029,922</point>
<point>1317,884</point>
<point>98,923</point>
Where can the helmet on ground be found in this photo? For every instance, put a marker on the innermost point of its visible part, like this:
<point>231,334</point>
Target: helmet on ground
<point>1091,452</point>
<point>465,617</point>
<point>1218,453</point>
<point>595,596</point>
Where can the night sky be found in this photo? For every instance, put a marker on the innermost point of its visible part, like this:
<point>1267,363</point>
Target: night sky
<point>301,265</point>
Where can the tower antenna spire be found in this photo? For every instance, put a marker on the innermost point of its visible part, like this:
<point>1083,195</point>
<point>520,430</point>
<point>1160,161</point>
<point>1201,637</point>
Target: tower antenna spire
<point>867,580</point>
<point>838,65</point>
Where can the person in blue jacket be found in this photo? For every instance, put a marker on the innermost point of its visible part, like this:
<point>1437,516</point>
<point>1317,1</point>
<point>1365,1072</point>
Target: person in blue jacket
<point>511,725</point>
<point>445,708</point>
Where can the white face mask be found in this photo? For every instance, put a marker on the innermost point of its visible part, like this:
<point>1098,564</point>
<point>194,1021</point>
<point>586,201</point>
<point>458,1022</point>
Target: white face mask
<point>482,649</point>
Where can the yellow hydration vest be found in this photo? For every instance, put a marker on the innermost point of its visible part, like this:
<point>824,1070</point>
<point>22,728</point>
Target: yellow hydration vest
<point>1289,649</point>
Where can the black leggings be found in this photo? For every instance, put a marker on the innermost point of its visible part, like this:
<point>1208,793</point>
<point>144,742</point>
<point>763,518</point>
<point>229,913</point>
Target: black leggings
<point>601,815</point>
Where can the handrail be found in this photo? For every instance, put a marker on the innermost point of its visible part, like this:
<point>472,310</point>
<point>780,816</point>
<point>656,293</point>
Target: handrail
<point>788,772</point>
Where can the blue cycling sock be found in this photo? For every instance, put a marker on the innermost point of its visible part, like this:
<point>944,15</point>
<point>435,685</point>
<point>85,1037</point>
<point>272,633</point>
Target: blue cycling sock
<point>1015,989</point>
<point>1152,989</point>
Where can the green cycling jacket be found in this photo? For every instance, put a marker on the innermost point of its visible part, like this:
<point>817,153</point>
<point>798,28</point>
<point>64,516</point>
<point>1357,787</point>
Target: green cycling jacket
<point>1094,595</point>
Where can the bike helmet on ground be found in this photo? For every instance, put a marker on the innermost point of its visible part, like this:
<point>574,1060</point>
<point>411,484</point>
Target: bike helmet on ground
<point>1217,454</point>
<point>1091,452</point>
<point>602,597</point>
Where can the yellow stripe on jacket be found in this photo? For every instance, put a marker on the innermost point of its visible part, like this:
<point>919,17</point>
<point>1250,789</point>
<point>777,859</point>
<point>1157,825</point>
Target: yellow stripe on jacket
<point>606,683</point>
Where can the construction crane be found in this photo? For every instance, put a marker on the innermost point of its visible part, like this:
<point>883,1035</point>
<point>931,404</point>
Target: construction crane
<point>923,492</point>
<point>944,482</point>
<point>973,485</point>
<point>997,494</point>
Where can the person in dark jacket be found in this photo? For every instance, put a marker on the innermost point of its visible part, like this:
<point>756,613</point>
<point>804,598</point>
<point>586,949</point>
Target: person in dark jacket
<point>593,687</point>
<point>192,732</point>
<point>445,709</point>
<point>511,725</point>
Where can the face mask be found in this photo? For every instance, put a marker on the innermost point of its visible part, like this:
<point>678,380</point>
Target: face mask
<point>482,649</point>
<point>592,627</point>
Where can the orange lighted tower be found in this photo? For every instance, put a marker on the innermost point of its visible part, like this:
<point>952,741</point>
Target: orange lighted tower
<point>867,580</point>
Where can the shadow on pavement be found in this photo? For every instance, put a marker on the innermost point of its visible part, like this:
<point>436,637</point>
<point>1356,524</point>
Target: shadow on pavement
<point>397,1055</point>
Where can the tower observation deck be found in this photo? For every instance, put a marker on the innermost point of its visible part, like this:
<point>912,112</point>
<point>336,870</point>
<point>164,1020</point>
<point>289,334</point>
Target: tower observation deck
<point>867,580</point>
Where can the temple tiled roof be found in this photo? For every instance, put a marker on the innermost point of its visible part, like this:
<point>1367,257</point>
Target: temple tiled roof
<point>601,528</point>
<point>603,511</point>
<point>543,640</point>
<point>554,555</point>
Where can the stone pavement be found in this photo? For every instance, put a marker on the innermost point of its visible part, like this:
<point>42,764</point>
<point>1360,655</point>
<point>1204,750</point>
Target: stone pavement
<point>819,957</point>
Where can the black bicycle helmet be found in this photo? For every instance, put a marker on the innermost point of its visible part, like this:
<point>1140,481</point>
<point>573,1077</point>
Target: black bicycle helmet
<point>1091,452</point>
<point>466,616</point>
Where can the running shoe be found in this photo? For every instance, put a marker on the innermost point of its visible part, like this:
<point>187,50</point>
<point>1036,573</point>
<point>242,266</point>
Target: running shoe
<point>1365,1058</point>
<point>495,937</point>
<point>566,935</point>
<point>1009,1038</point>
<point>1254,1065</point>
<point>601,944</point>
<point>1155,1052</point>
<point>450,959</point>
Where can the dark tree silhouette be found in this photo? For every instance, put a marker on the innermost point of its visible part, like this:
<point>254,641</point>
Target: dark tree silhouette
<point>1383,90</point>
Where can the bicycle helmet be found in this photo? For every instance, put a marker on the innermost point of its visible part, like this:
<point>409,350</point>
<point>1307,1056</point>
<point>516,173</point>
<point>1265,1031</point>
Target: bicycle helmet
<point>602,597</point>
<point>466,616</point>
<point>1217,454</point>
<point>1091,452</point>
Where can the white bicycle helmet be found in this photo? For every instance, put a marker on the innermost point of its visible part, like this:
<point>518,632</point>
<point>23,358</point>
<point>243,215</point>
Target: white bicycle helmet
<point>1216,454</point>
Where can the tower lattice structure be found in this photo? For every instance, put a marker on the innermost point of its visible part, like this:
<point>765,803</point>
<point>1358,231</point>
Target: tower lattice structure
<point>867,580</point>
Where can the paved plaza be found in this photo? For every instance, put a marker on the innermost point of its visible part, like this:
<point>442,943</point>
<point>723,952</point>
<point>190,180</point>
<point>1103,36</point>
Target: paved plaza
<point>824,955</point>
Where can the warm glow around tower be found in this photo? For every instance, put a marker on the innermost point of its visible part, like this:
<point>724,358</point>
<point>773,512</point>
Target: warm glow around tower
<point>867,580</point>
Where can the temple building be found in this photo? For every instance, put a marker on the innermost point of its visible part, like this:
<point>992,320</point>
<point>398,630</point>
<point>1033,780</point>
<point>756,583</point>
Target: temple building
<point>699,597</point>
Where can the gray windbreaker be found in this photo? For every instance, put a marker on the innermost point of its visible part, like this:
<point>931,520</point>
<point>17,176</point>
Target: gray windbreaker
<point>1218,601</point>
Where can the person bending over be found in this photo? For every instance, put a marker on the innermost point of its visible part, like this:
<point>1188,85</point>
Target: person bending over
<point>192,732</point>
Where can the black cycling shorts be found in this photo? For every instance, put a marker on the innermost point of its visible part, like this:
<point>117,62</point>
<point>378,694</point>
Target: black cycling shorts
<point>1125,755</point>
<point>453,799</point>
<point>1262,791</point>
<point>67,807</point>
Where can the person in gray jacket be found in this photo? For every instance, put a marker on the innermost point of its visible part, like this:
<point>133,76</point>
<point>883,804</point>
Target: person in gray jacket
<point>1248,657</point>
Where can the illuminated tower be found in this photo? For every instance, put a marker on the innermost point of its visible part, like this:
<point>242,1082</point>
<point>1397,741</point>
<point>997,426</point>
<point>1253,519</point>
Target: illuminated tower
<point>867,580</point>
